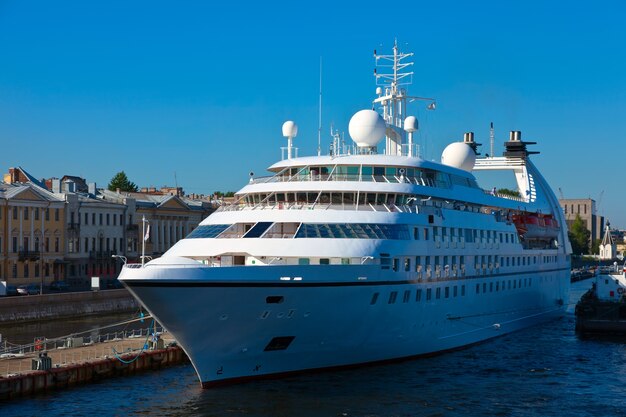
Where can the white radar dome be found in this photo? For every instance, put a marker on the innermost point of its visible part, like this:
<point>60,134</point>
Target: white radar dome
<point>367,128</point>
<point>410,124</point>
<point>290,129</point>
<point>459,155</point>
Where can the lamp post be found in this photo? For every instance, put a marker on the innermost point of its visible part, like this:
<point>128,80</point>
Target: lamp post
<point>144,237</point>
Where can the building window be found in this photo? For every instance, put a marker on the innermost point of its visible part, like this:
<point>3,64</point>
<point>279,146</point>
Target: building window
<point>56,214</point>
<point>14,244</point>
<point>14,270</point>
<point>26,271</point>
<point>93,218</point>
<point>108,219</point>
<point>14,213</point>
<point>100,219</point>
<point>56,244</point>
<point>36,213</point>
<point>37,270</point>
<point>114,220</point>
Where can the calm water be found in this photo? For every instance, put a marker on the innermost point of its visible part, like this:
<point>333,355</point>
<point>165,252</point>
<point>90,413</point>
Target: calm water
<point>542,371</point>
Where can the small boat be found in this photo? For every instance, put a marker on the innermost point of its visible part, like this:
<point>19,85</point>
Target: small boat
<point>602,309</point>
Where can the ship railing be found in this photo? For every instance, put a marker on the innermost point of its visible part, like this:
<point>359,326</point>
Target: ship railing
<point>421,181</point>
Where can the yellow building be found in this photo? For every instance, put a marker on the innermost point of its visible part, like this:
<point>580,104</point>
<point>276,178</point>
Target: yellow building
<point>32,234</point>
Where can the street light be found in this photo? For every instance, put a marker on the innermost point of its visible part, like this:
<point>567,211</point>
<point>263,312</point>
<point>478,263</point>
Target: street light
<point>123,258</point>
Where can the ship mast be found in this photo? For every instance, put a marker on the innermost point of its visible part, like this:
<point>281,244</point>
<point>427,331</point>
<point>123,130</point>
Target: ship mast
<point>392,97</point>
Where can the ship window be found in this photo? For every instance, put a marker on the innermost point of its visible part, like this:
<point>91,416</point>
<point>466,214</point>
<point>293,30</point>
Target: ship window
<point>416,234</point>
<point>345,261</point>
<point>396,261</point>
<point>455,291</point>
<point>429,293</point>
<point>324,261</point>
<point>426,233</point>
<point>279,343</point>
<point>477,288</point>
<point>274,299</point>
<point>207,231</point>
<point>447,292</point>
<point>438,293</point>
<point>497,286</point>
<point>392,297</point>
<point>304,261</point>
<point>418,295</point>
<point>258,229</point>
<point>374,298</point>
<point>407,264</point>
<point>385,261</point>
<point>462,290</point>
<point>407,296</point>
<point>484,287</point>
<point>491,287</point>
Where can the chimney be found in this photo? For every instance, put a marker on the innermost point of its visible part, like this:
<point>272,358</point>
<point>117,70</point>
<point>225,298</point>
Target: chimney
<point>91,188</point>
<point>56,185</point>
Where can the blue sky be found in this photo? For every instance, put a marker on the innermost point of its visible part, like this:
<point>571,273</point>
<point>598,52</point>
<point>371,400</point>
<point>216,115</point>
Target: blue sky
<point>200,91</point>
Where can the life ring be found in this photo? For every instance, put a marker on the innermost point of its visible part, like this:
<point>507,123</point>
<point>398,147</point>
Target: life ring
<point>620,290</point>
<point>38,344</point>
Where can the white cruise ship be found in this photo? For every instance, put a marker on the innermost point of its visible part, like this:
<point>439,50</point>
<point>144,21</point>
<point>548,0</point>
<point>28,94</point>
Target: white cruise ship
<point>358,257</point>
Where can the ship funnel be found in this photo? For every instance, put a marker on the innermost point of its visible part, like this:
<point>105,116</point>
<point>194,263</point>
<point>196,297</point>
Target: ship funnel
<point>468,137</point>
<point>515,135</point>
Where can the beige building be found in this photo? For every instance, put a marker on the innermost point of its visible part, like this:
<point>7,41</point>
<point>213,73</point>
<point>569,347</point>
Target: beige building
<point>32,234</point>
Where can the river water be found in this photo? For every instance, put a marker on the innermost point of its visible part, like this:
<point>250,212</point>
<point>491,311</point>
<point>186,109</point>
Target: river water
<point>542,371</point>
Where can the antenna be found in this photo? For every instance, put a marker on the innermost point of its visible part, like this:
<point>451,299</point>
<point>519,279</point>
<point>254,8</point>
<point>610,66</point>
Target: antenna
<point>491,140</point>
<point>319,125</point>
<point>176,181</point>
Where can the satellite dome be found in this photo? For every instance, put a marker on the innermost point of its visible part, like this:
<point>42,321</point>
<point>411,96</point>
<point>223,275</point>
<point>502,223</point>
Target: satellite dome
<point>459,155</point>
<point>410,124</point>
<point>367,128</point>
<point>290,129</point>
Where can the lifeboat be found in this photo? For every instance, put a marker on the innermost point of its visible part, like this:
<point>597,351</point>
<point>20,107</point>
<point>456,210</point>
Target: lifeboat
<point>536,225</point>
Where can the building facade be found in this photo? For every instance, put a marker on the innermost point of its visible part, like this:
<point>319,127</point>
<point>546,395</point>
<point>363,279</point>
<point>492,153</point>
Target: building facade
<point>586,209</point>
<point>32,235</point>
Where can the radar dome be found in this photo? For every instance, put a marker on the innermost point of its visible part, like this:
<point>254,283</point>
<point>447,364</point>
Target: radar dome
<point>367,128</point>
<point>459,155</point>
<point>290,129</point>
<point>410,124</point>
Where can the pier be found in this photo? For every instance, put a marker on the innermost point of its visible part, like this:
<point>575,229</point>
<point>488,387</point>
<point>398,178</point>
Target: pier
<point>52,364</point>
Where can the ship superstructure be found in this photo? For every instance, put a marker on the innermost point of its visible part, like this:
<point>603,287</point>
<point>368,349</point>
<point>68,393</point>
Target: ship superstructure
<point>357,257</point>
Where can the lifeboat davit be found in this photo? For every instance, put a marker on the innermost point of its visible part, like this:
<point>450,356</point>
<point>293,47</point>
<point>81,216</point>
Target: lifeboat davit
<point>536,225</point>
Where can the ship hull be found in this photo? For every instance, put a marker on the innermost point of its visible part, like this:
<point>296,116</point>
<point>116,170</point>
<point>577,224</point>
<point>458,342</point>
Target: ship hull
<point>234,326</point>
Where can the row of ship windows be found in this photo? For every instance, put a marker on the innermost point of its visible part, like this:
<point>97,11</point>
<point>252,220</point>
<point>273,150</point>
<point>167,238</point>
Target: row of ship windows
<point>386,262</point>
<point>357,231</point>
<point>453,291</point>
<point>389,174</point>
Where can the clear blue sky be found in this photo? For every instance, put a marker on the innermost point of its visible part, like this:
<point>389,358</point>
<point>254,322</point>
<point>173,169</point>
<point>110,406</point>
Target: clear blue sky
<point>202,89</point>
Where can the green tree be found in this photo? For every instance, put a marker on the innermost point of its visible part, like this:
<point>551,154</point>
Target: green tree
<point>595,246</point>
<point>121,181</point>
<point>579,236</point>
<point>507,191</point>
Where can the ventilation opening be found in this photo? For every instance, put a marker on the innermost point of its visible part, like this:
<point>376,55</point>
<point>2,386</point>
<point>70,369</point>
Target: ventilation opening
<point>274,299</point>
<point>279,343</point>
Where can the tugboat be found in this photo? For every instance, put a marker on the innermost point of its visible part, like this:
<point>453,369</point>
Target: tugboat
<point>602,309</point>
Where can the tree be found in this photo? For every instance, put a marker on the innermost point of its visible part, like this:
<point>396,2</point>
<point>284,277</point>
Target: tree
<point>579,236</point>
<point>507,191</point>
<point>595,246</point>
<point>121,181</point>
